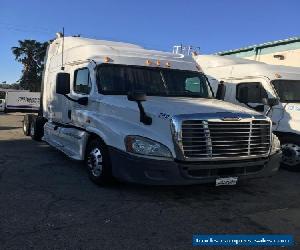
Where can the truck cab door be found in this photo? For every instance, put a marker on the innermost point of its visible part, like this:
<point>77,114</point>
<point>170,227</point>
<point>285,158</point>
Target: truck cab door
<point>250,92</point>
<point>81,87</point>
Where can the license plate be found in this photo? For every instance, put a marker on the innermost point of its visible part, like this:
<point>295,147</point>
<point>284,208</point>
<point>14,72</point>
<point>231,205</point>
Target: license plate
<point>229,181</point>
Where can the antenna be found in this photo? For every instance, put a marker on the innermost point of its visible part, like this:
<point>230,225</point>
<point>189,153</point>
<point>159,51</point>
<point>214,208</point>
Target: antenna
<point>62,52</point>
<point>186,49</point>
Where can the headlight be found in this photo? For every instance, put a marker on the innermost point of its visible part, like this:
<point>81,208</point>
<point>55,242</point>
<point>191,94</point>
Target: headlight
<point>144,146</point>
<point>275,144</point>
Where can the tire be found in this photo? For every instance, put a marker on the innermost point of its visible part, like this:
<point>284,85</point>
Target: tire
<point>26,124</point>
<point>98,163</point>
<point>290,154</point>
<point>37,128</point>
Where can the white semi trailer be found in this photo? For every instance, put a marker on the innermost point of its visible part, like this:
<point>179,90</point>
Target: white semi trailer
<point>22,101</point>
<point>254,84</point>
<point>146,116</point>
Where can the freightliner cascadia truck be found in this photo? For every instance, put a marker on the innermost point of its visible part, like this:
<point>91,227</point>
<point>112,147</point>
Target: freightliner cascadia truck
<point>146,116</point>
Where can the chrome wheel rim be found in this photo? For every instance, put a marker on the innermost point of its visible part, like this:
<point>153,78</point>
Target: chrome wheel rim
<point>95,162</point>
<point>290,154</point>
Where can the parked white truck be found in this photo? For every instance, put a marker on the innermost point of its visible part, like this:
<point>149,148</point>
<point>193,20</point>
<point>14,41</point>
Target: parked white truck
<point>254,84</point>
<point>95,108</point>
<point>22,101</point>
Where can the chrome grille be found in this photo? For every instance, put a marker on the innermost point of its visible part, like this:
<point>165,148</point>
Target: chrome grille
<point>226,139</point>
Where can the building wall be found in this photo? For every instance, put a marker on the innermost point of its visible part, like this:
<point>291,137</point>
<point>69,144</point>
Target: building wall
<point>282,52</point>
<point>290,58</point>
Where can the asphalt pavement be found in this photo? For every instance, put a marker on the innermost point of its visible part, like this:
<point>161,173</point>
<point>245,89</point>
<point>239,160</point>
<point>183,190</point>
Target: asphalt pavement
<point>48,202</point>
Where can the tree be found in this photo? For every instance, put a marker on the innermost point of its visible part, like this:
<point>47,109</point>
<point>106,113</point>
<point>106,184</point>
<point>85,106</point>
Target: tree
<point>31,54</point>
<point>9,86</point>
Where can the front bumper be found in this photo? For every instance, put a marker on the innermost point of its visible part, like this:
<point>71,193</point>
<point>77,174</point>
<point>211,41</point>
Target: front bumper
<point>141,170</point>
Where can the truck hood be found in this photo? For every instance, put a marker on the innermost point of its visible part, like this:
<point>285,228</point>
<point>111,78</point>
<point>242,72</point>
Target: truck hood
<point>171,106</point>
<point>118,116</point>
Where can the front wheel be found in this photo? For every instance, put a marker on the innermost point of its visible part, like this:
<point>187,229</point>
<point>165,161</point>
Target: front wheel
<point>291,155</point>
<point>98,162</point>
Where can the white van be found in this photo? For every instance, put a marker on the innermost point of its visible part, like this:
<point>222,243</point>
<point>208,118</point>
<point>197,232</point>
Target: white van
<point>146,116</point>
<point>248,82</point>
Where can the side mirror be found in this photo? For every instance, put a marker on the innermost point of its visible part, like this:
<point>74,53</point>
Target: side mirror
<point>270,101</point>
<point>137,96</point>
<point>220,95</point>
<point>63,83</point>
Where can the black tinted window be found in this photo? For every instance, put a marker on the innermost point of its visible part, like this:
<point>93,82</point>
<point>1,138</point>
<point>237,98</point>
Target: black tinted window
<point>82,82</point>
<point>120,79</point>
<point>287,90</point>
<point>250,92</point>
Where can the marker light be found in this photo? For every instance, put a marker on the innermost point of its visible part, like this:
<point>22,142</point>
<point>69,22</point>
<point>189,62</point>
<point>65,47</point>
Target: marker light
<point>277,75</point>
<point>168,64</point>
<point>148,62</point>
<point>158,63</point>
<point>107,59</point>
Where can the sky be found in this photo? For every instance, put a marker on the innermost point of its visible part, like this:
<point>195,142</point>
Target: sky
<point>213,25</point>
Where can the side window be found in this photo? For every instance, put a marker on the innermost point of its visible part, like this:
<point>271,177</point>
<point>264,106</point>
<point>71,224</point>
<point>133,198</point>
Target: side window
<point>82,81</point>
<point>250,92</point>
<point>196,85</point>
<point>192,84</point>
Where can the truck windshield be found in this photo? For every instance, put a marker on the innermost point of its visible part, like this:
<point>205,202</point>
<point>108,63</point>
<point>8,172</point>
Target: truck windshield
<point>120,79</point>
<point>287,90</point>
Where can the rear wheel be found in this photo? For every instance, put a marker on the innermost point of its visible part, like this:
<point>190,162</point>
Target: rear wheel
<point>37,128</point>
<point>26,125</point>
<point>98,162</point>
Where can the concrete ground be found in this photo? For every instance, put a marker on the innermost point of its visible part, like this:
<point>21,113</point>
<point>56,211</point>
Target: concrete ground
<point>48,202</point>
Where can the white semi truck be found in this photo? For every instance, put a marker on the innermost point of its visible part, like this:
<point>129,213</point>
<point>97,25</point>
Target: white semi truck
<point>147,117</point>
<point>249,83</point>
